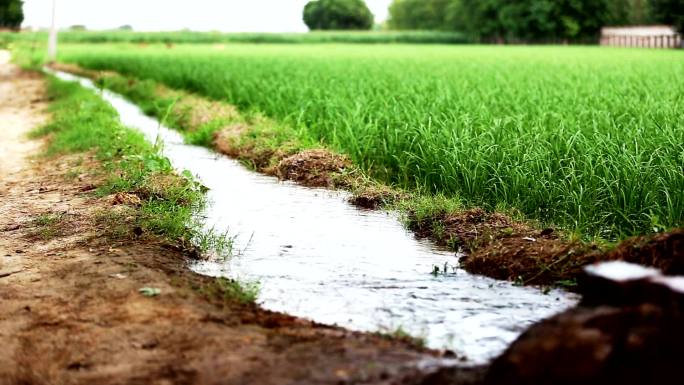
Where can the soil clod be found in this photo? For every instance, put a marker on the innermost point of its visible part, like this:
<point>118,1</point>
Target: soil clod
<point>313,168</point>
<point>625,331</point>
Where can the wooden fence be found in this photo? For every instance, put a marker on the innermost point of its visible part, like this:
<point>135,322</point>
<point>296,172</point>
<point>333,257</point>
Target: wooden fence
<point>642,37</point>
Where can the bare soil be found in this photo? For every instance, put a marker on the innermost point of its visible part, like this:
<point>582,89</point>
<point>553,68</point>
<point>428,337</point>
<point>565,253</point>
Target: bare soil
<point>532,259</point>
<point>638,344</point>
<point>17,116</point>
<point>71,311</point>
<point>500,247</point>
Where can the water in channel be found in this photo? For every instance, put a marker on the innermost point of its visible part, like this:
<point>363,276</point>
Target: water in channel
<point>317,257</point>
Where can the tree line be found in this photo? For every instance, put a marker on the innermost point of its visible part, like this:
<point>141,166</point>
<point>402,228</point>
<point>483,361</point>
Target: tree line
<point>11,14</point>
<point>501,20</point>
<point>532,20</point>
<point>338,15</point>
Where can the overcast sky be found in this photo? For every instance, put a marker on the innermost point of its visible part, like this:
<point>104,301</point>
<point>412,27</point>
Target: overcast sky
<point>204,15</point>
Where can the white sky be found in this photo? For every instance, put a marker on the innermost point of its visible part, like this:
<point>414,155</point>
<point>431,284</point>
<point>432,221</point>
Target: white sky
<point>160,15</point>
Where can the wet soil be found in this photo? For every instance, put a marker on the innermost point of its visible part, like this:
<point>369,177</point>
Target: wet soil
<point>369,195</point>
<point>72,311</point>
<point>626,330</point>
<point>544,260</point>
<point>639,344</point>
<point>664,251</point>
<point>500,247</point>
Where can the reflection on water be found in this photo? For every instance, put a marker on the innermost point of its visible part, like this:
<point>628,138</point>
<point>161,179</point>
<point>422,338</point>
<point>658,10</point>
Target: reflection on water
<point>317,257</point>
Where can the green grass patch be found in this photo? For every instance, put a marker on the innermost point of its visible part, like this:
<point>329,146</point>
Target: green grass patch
<point>224,289</point>
<point>402,335</point>
<point>49,225</point>
<point>169,203</point>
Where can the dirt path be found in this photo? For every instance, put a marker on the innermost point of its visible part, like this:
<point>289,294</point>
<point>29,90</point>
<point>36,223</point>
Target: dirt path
<point>16,93</point>
<point>71,311</point>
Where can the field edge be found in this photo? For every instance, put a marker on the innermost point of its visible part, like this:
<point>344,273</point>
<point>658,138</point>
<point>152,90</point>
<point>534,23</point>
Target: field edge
<point>501,245</point>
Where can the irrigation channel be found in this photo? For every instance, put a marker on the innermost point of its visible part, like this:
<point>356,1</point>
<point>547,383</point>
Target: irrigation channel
<point>315,256</point>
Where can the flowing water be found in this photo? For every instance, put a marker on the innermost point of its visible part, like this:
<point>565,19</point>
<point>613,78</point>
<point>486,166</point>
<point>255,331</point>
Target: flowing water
<point>317,257</point>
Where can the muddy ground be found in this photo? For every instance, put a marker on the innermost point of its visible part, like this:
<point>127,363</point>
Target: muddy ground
<point>71,311</point>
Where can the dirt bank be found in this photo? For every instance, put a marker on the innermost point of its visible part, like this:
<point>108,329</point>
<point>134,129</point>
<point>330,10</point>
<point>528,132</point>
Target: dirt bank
<point>626,330</point>
<point>72,311</point>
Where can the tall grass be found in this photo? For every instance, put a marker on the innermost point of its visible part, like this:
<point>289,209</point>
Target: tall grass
<point>190,37</point>
<point>586,138</point>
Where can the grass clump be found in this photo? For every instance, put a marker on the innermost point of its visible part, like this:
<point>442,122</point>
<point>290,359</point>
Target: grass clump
<point>165,203</point>
<point>220,244</point>
<point>116,224</point>
<point>224,289</point>
<point>399,334</point>
<point>49,225</point>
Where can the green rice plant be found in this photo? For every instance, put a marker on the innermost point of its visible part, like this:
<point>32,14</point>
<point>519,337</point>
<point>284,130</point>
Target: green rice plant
<point>586,139</point>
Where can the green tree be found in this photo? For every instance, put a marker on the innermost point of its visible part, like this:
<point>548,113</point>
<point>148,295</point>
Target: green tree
<point>481,19</point>
<point>423,14</point>
<point>580,19</point>
<point>11,14</point>
<point>532,20</point>
<point>669,12</point>
<point>639,12</point>
<point>338,14</point>
<point>528,20</point>
<point>551,20</point>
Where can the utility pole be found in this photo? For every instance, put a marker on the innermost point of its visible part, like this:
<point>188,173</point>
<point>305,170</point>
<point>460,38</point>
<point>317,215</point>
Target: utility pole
<point>52,40</point>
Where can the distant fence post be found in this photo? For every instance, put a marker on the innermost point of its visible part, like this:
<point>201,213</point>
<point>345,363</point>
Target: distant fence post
<point>659,36</point>
<point>52,39</point>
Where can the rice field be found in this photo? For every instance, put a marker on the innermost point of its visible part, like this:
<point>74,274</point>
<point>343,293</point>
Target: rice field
<point>192,37</point>
<point>585,138</point>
